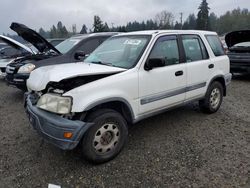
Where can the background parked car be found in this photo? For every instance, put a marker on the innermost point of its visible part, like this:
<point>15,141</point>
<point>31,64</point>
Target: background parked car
<point>2,44</point>
<point>55,41</point>
<point>73,49</point>
<point>238,43</point>
<point>11,51</point>
<point>224,44</point>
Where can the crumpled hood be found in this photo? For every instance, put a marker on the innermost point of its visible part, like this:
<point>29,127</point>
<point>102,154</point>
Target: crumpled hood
<point>236,37</point>
<point>39,78</point>
<point>33,37</point>
<point>15,44</point>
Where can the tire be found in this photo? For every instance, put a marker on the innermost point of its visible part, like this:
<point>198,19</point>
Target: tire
<point>213,98</point>
<point>106,138</point>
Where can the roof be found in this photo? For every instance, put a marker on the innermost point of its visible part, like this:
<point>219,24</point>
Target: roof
<point>156,32</point>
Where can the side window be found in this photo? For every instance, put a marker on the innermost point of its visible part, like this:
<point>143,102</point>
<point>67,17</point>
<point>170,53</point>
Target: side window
<point>215,44</point>
<point>194,48</point>
<point>89,46</point>
<point>166,48</point>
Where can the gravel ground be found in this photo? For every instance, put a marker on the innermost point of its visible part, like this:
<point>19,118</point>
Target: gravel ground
<point>180,148</point>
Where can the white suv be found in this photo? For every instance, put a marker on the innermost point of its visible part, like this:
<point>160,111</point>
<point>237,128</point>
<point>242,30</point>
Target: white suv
<point>128,78</point>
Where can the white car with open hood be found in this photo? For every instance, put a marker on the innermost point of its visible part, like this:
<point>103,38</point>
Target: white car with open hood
<point>128,78</point>
<point>21,50</point>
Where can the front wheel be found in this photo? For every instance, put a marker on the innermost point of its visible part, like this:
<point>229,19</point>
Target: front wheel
<point>107,136</point>
<point>213,98</point>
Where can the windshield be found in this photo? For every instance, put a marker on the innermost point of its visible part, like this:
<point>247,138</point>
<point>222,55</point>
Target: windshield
<point>120,51</point>
<point>66,45</point>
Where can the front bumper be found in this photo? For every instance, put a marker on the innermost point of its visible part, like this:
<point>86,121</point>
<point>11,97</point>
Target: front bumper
<point>2,72</point>
<point>52,127</point>
<point>17,80</point>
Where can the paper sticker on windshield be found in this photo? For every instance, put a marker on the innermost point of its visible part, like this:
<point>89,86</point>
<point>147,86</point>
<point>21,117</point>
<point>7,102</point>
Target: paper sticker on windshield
<point>132,42</point>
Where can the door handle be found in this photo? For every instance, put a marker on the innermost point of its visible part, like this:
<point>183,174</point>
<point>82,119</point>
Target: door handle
<point>211,66</point>
<point>178,73</point>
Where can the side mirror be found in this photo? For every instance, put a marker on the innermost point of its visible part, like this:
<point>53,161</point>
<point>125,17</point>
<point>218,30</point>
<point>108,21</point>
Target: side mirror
<point>153,63</point>
<point>79,55</point>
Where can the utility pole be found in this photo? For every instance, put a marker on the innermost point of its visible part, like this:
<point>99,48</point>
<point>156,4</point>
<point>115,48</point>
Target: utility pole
<point>181,18</point>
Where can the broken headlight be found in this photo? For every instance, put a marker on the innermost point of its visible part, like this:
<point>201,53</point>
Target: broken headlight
<point>55,103</point>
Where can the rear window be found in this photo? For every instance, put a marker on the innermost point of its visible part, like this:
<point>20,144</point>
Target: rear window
<point>215,44</point>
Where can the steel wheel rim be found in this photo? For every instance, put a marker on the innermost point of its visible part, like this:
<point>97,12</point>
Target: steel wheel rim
<point>106,138</point>
<point>215,98</point>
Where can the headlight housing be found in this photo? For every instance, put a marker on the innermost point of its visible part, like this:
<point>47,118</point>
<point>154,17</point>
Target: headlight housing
<point>25,69</point>
<point>55,103</point>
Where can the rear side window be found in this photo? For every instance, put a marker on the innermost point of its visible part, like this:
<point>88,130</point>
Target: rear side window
<point>194,48</point>
<point>215,44</point>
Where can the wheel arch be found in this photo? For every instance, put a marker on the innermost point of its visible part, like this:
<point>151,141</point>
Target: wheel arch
<point>118,104</point>
<point>220,79</point>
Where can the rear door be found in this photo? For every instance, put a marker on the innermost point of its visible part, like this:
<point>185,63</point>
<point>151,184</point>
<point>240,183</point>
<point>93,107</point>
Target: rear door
<point>198,64</point>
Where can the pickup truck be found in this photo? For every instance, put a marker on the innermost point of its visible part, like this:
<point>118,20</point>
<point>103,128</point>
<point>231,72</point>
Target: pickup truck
<point>128,78</point>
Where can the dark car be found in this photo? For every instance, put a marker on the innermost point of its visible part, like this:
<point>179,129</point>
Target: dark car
<point>73,49</point>
<point>238,43</point>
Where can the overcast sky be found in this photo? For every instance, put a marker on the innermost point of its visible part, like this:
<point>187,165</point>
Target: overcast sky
<point>45,13</point>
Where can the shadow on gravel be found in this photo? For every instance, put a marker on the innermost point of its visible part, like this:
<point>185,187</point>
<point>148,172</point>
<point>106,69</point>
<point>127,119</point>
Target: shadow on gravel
<point>15,95</point>
<point>2,79</point>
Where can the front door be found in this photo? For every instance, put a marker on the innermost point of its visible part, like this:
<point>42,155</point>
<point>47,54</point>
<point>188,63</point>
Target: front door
<point>164,86</point>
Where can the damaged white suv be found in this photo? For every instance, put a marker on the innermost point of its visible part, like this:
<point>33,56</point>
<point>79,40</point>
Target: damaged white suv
<point>128,78</point>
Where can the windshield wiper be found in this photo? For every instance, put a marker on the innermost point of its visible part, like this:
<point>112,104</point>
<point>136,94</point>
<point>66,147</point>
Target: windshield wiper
<point>102,63</point>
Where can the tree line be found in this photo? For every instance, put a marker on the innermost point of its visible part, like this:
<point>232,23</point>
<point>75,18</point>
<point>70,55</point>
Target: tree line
<point>236,19</point>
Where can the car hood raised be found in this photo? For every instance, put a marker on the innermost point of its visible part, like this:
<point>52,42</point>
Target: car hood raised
<point>236,37</point>
<point>40,77</point>
<point>15,44</point>
<point>33,37</point>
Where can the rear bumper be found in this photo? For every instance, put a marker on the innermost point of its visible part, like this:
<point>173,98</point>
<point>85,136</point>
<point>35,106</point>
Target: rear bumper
<point>240,66</point>
<point>52,126</point>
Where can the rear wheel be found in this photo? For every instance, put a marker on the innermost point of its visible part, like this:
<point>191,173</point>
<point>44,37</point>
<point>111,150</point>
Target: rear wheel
<point>213,98</point>
<point>106,137</point>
